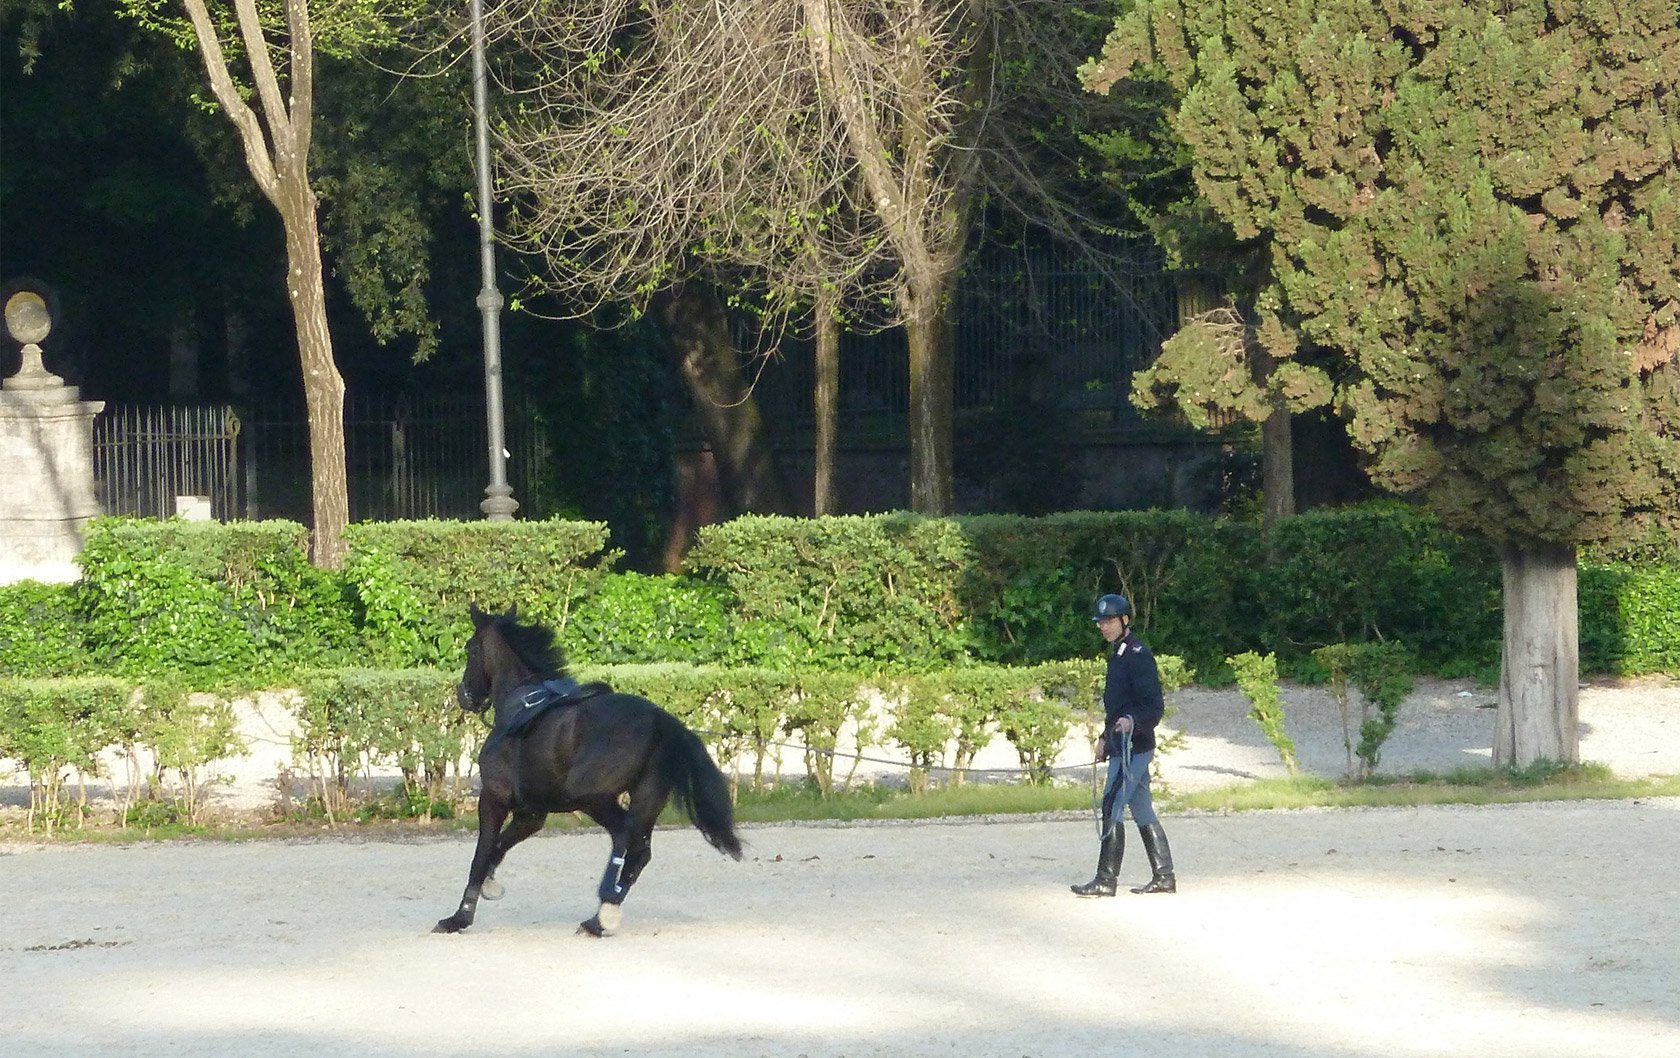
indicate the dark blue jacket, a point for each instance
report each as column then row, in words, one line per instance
column 1133, row 688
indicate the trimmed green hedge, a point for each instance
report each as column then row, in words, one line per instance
column 219, row 601
column 1031, row 582
column 413, row 580
column 41, row 631
column 843, row 590
column 1630, row 618
column 1018, row 590
column 238, row 606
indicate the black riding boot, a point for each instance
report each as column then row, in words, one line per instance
column 1108, row 865
column 1160, row 861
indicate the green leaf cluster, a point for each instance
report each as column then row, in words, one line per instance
column 1630, row 618
column 219, row 601
column 633, row 618
column 1257, row 679
column 413, row 580
column 40, row 630
column 1475, row 208
column 1382, row 674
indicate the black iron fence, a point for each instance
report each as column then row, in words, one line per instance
column 1034, row 327
column 410, row 457
column 145, row 457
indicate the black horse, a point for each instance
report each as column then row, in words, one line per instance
column 615, row 757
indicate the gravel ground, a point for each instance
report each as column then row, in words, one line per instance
column 1520, row 931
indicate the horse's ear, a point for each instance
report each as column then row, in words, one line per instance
column 476, row 614
column 513, row 611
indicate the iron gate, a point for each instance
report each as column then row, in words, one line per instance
column 405, row 458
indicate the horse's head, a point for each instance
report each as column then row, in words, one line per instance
column 473, row 692
column 505, row 653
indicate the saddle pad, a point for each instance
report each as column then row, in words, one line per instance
column 547, row 695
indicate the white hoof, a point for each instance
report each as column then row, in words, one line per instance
column 491, row 889
column 610, row 916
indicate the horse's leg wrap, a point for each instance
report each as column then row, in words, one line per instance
column 612, row 882
column 463, row 916
column 491, row 889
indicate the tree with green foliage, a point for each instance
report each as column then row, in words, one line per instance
column 276, row 137
column 261, row 67
column 1209, row 371
column 1477, row 207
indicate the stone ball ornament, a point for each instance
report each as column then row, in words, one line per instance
column 28, row 319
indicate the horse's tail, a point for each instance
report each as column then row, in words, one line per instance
column 697, row 784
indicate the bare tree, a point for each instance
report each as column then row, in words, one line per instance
column 829, row 153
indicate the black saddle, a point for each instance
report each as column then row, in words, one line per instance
column 540, row 698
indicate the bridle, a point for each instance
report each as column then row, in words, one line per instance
column 464, row 695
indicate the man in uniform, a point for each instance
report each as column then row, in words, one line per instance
column 1132, row 707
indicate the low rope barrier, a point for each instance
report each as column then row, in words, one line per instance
column 863, row 759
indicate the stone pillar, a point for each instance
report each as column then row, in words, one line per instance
column 46, row 459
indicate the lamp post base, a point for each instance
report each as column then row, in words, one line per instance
column 499, row 504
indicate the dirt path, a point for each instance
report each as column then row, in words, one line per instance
column 1512, row 931
column 1515, row 931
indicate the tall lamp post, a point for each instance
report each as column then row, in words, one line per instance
column 499, row 504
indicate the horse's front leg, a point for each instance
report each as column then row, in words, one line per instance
column 520, row 827
column 492, row 811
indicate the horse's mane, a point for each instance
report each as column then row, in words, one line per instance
column 534, row 643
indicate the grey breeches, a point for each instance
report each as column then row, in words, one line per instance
column 1128, row 787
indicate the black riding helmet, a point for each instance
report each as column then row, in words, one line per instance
column 1112, row 606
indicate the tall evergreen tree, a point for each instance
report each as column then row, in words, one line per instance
column 1477, row 205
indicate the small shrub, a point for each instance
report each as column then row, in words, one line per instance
column 823, row 703
column 1382, row 674
column 53, row 726
column 919, row 728
column 1258, row 681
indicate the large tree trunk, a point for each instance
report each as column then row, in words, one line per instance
column 1277, row 435
column 1277, row 466
column 932, row 399
column 825, row 401
column 323, row 386
column 698, row 331
column 1539, row 677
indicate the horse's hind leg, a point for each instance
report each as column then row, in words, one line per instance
column 611, row 890
column 632, row 849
